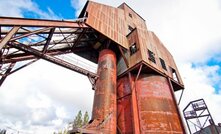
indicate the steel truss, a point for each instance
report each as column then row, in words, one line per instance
column 197, row 116
column 33, row 39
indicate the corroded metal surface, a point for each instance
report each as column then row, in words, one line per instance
column 10, row 21
column 124, row 106
column 104, row 107
column 155, row 106
column 108, row 20
column 157, row 110
column 125, row 27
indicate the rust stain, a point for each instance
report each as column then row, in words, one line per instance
column 104, row 107
column 156, row 106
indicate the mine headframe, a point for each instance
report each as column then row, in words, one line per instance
column 198, row 117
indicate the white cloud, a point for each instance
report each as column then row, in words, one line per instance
column 38, row 101
column 198, row 84
column 77, row 5
column 17, row 9
column 49, row 96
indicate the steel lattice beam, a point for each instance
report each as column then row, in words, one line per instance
column 53, row 59
column 52, row 38
column 4, row 76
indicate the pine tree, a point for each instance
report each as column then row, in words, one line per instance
column 78, row 120
column 86, row 118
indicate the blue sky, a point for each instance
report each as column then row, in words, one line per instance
column 62, row 8
column 191, row 33
column 213, row 62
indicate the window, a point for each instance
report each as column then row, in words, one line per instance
column 163, row 64
column 86, row 14
column 151, row 56
column 130, row 29
column 174, row 74
column 130, row 15
column 133, row 49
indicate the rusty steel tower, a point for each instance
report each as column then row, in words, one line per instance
column 136, row 76
column 198, row 118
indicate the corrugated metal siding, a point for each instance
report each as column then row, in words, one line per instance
column 109, row 21
column 114, row 22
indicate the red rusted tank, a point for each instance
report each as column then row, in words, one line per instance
column 157, row 113
column 104, row 107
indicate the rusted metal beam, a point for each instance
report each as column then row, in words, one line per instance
column 175, row 102
column 134, row 104
column 48, row 40
column 125, row 59
column 9, row 21
column 135, row 99
column 138, row 74
column 54, row 60
column 78, row 39
column 180, row 97
column 30, row 33
column 4, row 32
column 28, row 56
column 93, row 82
column 65, row 38
column 19, row 68
column 4, row 76
column 5, row 40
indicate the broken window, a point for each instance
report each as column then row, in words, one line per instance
column 163, row 64
column 133, row 49
column 174, row 74
column 151, row 56
column 130, row 15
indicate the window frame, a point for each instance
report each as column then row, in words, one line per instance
column 151, row 56
column 163, row 64
column 174, row 74
column 130, row 15
column 134, row 51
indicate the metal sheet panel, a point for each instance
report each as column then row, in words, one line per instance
column 118, row 24
column 157, row 109
column 109, row 21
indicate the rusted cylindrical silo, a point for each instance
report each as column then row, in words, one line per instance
column 104, row 107
column 156, row 107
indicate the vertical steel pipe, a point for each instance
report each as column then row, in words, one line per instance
column 104, row 107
